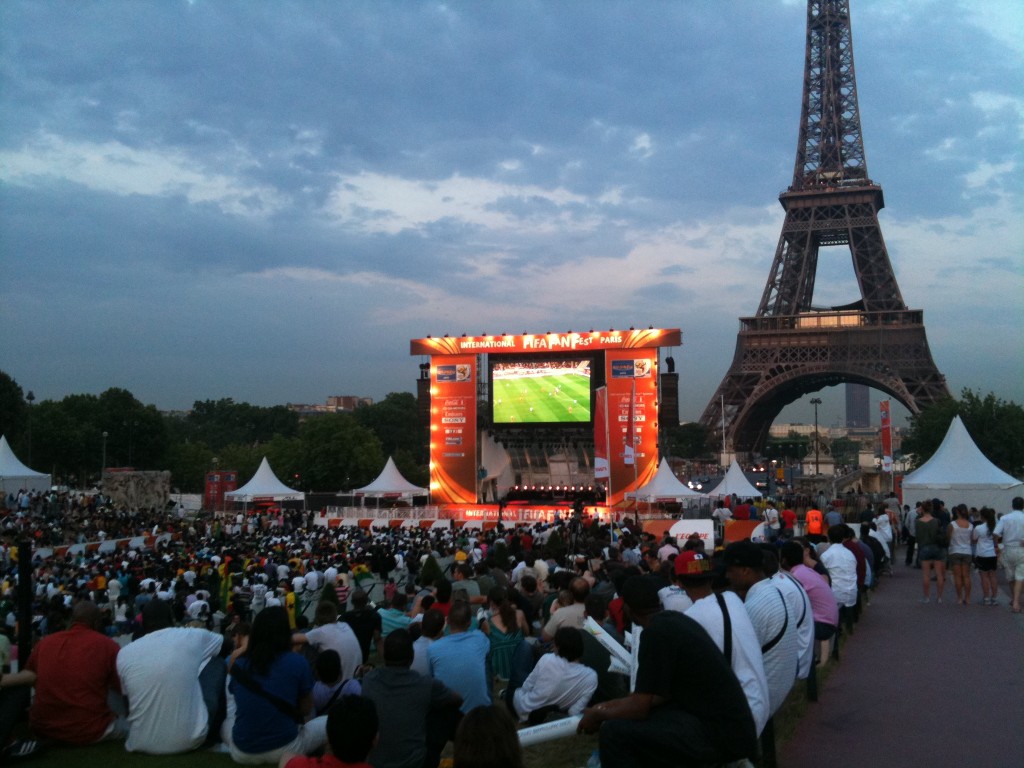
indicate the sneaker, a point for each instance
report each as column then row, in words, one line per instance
column 22, row 748
column 924, row 599
column 938, row 600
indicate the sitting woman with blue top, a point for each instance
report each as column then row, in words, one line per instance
column 273, row 692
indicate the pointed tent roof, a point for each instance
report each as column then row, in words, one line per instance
column 664, row 486
column 959, row 463
column 734, row 482
column 14, row 473
column 10, row 464
column 264, row 484
column 390, row 483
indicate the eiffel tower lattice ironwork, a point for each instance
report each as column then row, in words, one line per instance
column 790, row 348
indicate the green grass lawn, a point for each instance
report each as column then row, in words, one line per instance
column 562, row 398
column 561, row 753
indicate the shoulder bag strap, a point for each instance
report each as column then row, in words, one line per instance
column 785, row 624
column 330, row 701
column 726, row 627
column 248, row 682
column 803, row 593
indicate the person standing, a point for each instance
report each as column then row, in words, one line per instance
column 961, row 553
column 910, row 526
column 931, row 550
column 1009, row 538
column 985, row 556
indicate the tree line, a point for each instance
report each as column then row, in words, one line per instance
column 75, row 438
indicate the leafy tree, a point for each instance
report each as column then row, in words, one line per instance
column 689, row 441
column 220, row 423
column 335, row 452
column 845, row 451
column 395, row 421
column 13, row 410
column 188, row 464
column 997, row 427
column 793, row 447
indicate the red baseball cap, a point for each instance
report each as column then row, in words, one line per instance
column 692, row 563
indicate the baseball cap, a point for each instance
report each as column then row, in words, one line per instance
column 692, row 563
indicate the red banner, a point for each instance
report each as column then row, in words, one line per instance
column 453, row 430
column 601, row 433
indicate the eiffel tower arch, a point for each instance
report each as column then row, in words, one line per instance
column 791, row 348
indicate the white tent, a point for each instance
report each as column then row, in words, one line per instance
column 15, row 476
column 664, row 486
column 264, row 485
column 389, row 483
column 959, row 473
column 734, row 483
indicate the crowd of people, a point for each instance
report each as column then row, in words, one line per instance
column 280, row 642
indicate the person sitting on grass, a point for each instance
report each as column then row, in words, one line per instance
column 559, row 682
column 73, row 671
column 352, row 731
column 330, row 684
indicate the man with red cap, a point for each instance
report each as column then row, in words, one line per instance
column 725, row 619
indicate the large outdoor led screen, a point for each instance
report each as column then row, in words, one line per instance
column 551, row 391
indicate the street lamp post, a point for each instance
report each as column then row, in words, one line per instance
column 816, row 401
column 103, row 467
column 31, row 397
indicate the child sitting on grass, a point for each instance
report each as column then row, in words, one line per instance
column 329, row 686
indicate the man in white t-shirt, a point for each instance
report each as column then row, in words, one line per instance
column 1009, row 538
column 336, row 636
column 722, row 513
column 693, row 574
column 173, row 678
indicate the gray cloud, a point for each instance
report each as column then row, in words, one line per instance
column 266, row 201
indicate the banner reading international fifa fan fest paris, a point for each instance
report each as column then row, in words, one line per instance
column 631, row 359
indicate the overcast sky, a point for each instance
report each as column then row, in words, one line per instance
column 266, row 201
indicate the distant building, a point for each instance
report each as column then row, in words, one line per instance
column 858, row 406
column 334, row 404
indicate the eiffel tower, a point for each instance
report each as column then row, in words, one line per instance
column 791, row 348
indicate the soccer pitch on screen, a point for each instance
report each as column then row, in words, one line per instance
column 552, row 398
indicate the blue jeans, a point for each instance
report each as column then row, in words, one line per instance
column 211, row 682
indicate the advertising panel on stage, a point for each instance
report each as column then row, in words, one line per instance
column 633, row 418
column 453, row 475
